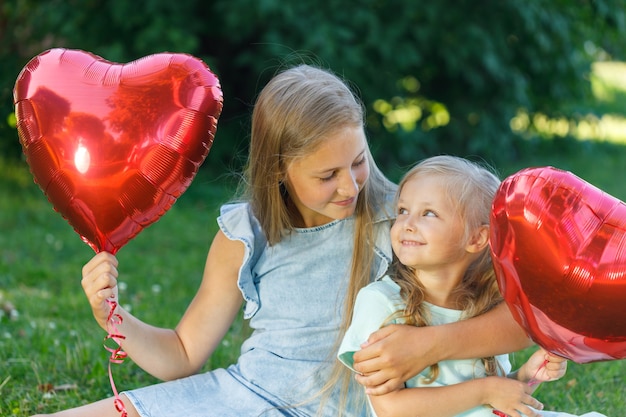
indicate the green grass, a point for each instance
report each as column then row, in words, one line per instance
column 49, row 339
column 53, row 340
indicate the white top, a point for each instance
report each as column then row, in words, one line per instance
column 375, row 304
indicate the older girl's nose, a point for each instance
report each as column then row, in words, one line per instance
column 348, row 185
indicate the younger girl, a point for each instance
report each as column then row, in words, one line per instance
column 443, row 273
column 312, row 229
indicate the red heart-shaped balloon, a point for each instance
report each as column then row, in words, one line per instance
column 112, row 145
column 559, row 251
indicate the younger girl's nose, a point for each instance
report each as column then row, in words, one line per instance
column 409, row 224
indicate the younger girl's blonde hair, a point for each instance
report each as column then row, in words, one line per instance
column 471, row 188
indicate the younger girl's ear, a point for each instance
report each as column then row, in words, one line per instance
column 479, row 240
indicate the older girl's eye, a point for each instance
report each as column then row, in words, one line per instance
column 402, row 210
column 328, row 178
column 429, row 213
column 359, row 162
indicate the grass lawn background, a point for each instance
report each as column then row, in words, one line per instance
column 51, row 352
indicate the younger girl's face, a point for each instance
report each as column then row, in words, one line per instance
column 325, row 184
column 428, row 233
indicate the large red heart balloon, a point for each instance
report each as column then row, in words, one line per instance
column 114, row 145
column 559, row 250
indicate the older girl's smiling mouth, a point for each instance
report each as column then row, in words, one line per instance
column 345, row 203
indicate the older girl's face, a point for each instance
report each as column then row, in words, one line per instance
column 325, row 184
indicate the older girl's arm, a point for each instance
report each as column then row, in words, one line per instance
column 396, row 353
column 174, row 353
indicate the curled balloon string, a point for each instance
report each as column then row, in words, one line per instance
column 531, row 383
column 117, row 354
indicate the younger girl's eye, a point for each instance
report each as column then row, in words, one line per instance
column 402, row 210
column 429, row 213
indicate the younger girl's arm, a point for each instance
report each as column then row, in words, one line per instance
column 504, row 394
column 397, row 353
column 173, row 353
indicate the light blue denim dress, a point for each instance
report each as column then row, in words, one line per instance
column 294, row 293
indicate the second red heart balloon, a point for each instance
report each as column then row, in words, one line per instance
column 113, row 146
column 559, row 250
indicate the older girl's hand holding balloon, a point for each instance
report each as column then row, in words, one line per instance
column 100, row 285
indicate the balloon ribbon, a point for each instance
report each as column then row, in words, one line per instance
column 117, row 354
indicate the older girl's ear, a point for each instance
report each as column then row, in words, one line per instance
column 479, row 240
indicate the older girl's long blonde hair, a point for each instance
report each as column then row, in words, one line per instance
column 471, row 188
column 294, row 113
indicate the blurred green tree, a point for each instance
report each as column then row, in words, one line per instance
column 445, row 76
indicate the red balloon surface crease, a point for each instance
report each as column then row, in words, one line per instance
column 559, row 250
column 113, row 146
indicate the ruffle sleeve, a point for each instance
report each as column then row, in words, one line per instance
column 238, row 223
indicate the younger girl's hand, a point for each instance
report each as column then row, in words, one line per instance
column 510, row 397
column 100, row 283
column 543, row 366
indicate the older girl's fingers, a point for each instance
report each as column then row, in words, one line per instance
column 104, row 267
column 105, row 281
column 100, row 280
column 97, row 260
